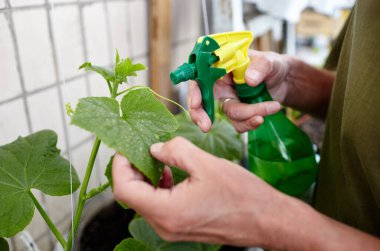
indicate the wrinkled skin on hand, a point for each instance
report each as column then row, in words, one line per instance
column 220, row 202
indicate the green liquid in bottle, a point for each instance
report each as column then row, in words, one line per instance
column 278, row 151
column 292, row 177
column 282, row 155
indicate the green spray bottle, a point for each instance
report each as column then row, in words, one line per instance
column 278, row 151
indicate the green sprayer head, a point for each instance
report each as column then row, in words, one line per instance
column 183, row 73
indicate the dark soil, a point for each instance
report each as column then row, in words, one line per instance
column 106, row 229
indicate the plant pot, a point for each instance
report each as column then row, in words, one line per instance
column 104, row 224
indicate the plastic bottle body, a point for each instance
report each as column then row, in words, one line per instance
column 280, row 153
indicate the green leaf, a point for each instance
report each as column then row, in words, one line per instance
column 210, row 247
column 104, row 72
column 179, row 175
column 143, row 232
column 117, row 59
column 222, row 140
column 219, row 114
column 126, row 68
column 30, row 162
column 4, row 244
column 183, row 246
column 144, row 119
column 131, row 245
column 108, row 171
column 69, row 109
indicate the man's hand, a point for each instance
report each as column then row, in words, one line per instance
column 288, row 80
column 220, row 202
column 268, row 66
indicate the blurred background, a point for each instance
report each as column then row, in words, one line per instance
column 42, row 43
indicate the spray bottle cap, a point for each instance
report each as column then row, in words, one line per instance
column 183, row 73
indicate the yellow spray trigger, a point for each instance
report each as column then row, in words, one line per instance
column 233, row 53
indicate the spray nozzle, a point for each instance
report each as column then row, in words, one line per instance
column 183, row 73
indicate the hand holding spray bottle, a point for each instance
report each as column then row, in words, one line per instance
column 278, row 151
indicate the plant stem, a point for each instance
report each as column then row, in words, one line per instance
column 48, row 221
column 109, row 87
column 122, row 92
column 82, row 194
column 97, row 190
column 114, row 90
column 83, row 190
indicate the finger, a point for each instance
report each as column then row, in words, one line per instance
column 167, row 178
column 194, row 97
column 201, row 119
column 222, row 90
column 259, row 68
column 248, row 125
column 238, row 111
column 197, row 113
column 179, row 152
column 128, row 189
column 133, row 174
column 226, row 80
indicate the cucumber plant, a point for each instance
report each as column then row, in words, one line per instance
column 128, row 121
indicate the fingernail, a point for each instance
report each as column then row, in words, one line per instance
column 156, row 148
column 273, row 107
column 253, row 75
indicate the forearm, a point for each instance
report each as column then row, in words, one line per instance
column 309, row 88
column 302, row 228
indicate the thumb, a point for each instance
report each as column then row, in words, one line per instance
column 179, row 152
column 258, row 69
column 129, row 186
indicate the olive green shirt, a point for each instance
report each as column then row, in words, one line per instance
column 348, row 187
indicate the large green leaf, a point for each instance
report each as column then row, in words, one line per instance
column 144, row 120
column 131, row 245
column 4, row 245
column 30, row 162
column 222, row 140
column 143, row 232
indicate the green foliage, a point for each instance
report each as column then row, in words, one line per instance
column 222, row 140
column 123, row 69
column 178, row 174
column 27, row 163
column 144, row 235
column 126, row 68
column 143, row 121
column 107, row 74
column 131, row 245
column 142, row 231
column 4, row 244
column 108, row 171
